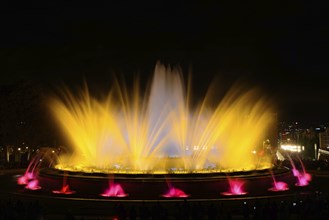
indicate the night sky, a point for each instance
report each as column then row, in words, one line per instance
column 280, row 47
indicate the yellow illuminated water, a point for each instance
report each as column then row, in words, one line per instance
column 158, row 131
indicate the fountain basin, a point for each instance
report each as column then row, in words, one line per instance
column 152, row 186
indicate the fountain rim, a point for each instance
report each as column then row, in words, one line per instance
column 56, row 173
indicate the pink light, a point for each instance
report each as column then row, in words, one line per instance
column 115, row 190
column 175, row 193
column 295, row 172
column 304, row 179
column 236, row 188
column 33, row 185
column 64, row 190
column 279, row 186
column 23, row 180
column 308, row 177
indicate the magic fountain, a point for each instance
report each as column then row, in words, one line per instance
column 158, row 136
column 159, row 132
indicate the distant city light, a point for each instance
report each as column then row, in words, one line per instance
column 292, row 148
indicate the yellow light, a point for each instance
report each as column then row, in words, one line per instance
column 135, row 131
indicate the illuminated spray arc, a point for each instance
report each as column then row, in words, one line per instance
column 159, row 131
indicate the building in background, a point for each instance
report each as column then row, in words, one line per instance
column 323, row 151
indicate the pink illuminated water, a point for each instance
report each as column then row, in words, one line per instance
column 303, row 179
column 236, row 188
column 295, row 172
column 23, row 180
column 29, row 173
column 114, row 190
column 64, row 190
column 279, row 186
column 33, row 185
column 175, row 193
column 65, row 187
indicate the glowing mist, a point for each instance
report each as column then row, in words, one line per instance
column 158, row 131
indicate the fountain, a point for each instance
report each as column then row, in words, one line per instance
column 236, row 187
column 29, row 178
column 114, row 189
column 24, row 179
column 65, row 190
column 145, row 138
column 33, row 185
column 175, row 193
column 278, row 185
column 30, row 173
column 303, row 178
column 126, row 134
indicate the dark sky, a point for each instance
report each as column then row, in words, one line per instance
column 282, row 47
